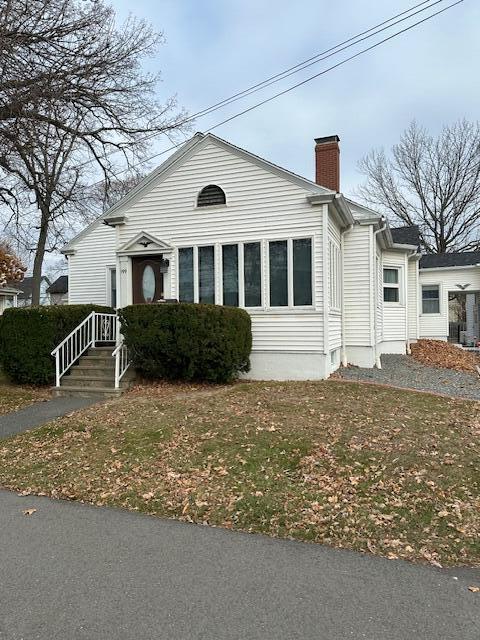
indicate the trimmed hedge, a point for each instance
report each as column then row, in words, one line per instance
column 188, row 341
column 29, row 335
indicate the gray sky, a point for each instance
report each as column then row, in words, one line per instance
column 215, row 48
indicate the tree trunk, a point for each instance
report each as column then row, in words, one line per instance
column 38, row 264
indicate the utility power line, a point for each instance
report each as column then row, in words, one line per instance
column 319, row 57
column 295, row 86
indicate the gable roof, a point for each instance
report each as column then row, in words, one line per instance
column 183, row 153
column 406, row 235
column 60, row 285
column 27, row 285
column 463, row 259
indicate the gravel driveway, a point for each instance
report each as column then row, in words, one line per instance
column 404, row 371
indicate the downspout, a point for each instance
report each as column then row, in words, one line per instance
column 342, row 319
column 383, row 222
column 410, row 255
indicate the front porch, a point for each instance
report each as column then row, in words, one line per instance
column 463, row 318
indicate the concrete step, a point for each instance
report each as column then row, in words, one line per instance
column 98, row 358
column 92, row 381
column 94, row 369
column 97, row 392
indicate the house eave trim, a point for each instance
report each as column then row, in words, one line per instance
column 339, row 204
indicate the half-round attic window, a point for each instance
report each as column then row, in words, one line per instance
column 211, row 195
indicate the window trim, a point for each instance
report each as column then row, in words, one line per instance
column 432, row 284
column 264, row 272
column 392, row 285
column 336, row 260
column 109, row 269
column 290, row 306
column 210, row 206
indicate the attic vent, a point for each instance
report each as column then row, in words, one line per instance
column 211, row 195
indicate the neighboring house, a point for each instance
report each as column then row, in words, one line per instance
column 450, row 285
column 8, row 297
column 324, row 279
column 58, row 291
column 25, row 297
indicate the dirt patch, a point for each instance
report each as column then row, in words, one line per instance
column 436, row 353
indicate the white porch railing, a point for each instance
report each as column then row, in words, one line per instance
column 122, row 361
column 96, row 328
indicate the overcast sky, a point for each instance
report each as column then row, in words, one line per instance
column 215, row 48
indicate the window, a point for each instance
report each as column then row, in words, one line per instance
column 206, row 275
column 430, row 298
column 112, row 284
column 391, row 284
column 334, row 282
column 290, row 270
column 230, row 274
column 185, row 280
column 278, row 273
column 252, row 274
column 242, row 274
column 210, row 196
column 302, row 272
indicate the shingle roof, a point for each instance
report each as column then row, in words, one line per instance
column 406, row 235
column 26, row 286
column 60, row 285
column 464, row 259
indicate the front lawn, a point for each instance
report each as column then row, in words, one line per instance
column 14, row 397
column 392, row 472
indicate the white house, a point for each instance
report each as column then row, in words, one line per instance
column 325, row 280
column 8, row 297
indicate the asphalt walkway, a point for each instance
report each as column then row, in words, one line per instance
column 75, row 572
column 40, row 413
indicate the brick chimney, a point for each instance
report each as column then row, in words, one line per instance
column 327, row 162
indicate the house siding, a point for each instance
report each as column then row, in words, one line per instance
column 87, row 267
column 395, row 314
column 357, row 286
column 433, row 325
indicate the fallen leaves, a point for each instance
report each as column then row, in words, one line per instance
column 436, row 353
column 29, row 512
column 390, row 472
column 474, row 589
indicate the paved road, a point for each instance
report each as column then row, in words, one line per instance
column 41, row 412
column 73, row 572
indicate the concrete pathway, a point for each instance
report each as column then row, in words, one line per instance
column 40, row 413
column 76, row 572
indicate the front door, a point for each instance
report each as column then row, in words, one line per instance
column 147, row 279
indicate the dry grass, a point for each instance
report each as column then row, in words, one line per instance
column 436, row 353
column 391, row 472
column 13, row 398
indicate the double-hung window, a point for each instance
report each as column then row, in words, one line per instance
column 430, row 298
column 391, row 284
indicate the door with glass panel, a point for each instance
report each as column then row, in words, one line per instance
column 147, row 279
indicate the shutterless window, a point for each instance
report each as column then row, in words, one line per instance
column 252, row 274
column 206, row 275
column 278, row 273
column 113, row 288
column 391, row 285
column 302, row 272
column 430, row 298
column 185, row 277
column 230, row 274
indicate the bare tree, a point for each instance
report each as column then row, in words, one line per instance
column 72, row 93
column 431, row 182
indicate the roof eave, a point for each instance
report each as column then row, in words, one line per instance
column 337, row 200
